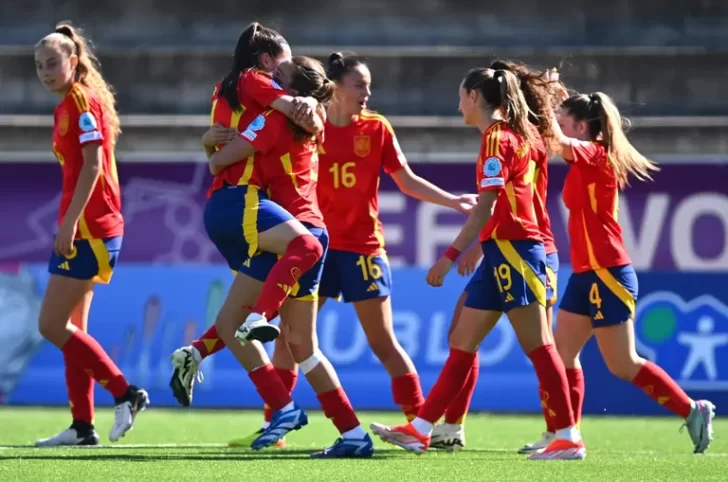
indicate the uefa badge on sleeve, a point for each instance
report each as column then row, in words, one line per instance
column 87, row 122
column 492, row 167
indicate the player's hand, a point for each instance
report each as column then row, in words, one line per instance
column 436, row 275
column 64, row 239
column 469, row 261
column 304, row 110
column 217, row 134
column 465, row 203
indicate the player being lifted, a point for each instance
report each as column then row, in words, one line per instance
column 91, row 227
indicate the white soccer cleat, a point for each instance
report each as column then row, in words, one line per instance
column 700, row 425
column 256, row 327
column 186, row 368
column 448, row 436
column 69, row 437
column 539, row 445
column 126, row 411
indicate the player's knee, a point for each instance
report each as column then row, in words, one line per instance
column 624, row 367
column 51, row 328
column 384, row 348
column 309, row 247
column 311, row 361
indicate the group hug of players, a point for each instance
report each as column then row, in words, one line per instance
column 293, row 209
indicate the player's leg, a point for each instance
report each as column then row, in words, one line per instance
column 80, row 388
column 478, row 317
column 72, row 278
column 612, row 298
column 299, row 251
column 252, row 355
column 451, row 434
column 519, row 268
column 367, row 283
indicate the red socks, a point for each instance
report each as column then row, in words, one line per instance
column 458, row 408
column 302, row 253
column 448, row 385
column 80, row 393
column 661, row 388
column 407, row 393
column 209, row 343
column 336, row 406
column 289, row 378
column 270, row 387
column 83, row 353
column 575, row 376
column 554, row 386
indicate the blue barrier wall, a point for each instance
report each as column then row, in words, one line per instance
column 148, row 311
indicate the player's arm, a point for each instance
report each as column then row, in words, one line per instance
column 395, row 164
column 259, row 136
column 91, row 138
column 477, row 220
column 301, row 110
column 571, row 149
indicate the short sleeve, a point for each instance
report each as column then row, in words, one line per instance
column 261, row 87
column 393, row 158
column 86, row 116
column 264, row 131
column 586, row 153
column 493, row 166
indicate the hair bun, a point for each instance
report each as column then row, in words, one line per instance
column 336, row 57
column 65, row 29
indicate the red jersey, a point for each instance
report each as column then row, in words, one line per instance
column 591, row 193
column 256, row 90
column 288, row 167
column 352, row 158
column 79, row 120
column 504, row 165
column 540, row 157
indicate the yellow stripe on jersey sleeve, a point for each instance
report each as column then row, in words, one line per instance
column 373, row 116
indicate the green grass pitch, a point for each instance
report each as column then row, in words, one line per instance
column 190, row 445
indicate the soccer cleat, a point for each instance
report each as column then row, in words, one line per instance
column 561, row 449
column 126, row 410
column 246, row 441
column 700, row 425
column 539, row 445
column 281, row 423
column 347, row 448
column 186, row 370
column 404, row 436
column 448, row 436
column 256, row 327
column 70, row 436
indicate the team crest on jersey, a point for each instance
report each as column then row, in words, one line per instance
column 362, row 145
column 492, row 167
column 63, row 123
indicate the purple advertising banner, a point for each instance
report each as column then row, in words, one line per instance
column 678, row 222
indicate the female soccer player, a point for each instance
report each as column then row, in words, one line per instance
column 511, row 279
column 88, row 241
column 536, row 87
column 288, row 165
column 242, row 95
column 601, row 294
column 358, row 144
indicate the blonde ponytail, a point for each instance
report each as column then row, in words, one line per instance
column 88, row 73
column 514, row 106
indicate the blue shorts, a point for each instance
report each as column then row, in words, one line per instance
column 307, row 288
column 552, row 281
column 92, row 259
column 606, row 295
column 512, row 274
column 357, row 277
column 233, row 218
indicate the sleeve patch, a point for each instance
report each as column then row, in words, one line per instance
column 87, row 122
column 492, row 182
column 90, row 136
column 492, row 167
